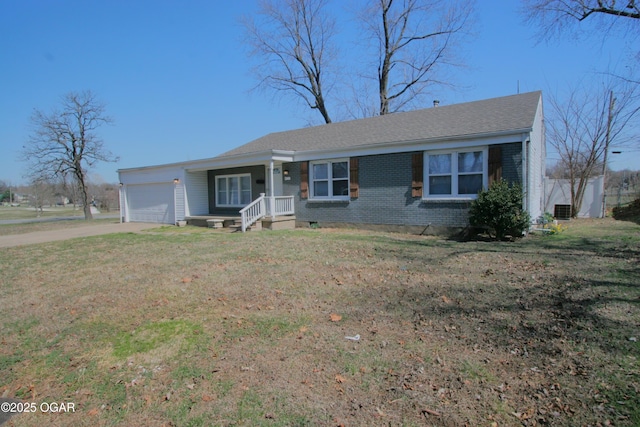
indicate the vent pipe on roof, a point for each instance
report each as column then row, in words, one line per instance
column 435, row 103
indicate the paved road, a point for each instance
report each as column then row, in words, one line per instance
column 70, row 233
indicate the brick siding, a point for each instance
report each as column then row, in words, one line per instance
column 385, row 195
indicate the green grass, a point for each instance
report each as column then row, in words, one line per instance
column 23, row 212
column 152, row 336
column 475, row 371
column 202, row 328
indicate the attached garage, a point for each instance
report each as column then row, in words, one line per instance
column 151, row 203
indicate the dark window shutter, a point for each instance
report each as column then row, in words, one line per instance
column 304, row 180
column 495, row 164
column 354, row 187
column 417, row 172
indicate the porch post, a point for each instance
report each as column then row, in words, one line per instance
column 272, row 194
column 176, row 181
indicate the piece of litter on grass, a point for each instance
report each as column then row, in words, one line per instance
column 634, row 339
column 354, row 338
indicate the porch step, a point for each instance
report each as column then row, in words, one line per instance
column 237, row 226
column 234, row 224
column 215, row 223
column 211, row 221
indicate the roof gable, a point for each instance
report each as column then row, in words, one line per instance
column 497, row 115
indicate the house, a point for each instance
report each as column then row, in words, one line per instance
column 413, row 171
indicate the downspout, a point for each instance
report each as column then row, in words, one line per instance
column 121, row 202
column 185, row 197
column 176, row 182
column 525, row 172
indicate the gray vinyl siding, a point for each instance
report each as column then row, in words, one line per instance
column 179, row 202
column 537, row 170
column 197, row 194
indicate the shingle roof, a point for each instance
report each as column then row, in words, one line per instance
column 496, row 115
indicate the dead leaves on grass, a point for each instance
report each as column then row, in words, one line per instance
column 340, row 379
column 189, row 279
column 334, row 317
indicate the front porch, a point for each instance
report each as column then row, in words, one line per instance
column 225, row 197
column 271, row 213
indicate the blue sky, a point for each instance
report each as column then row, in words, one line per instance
column 176, row 78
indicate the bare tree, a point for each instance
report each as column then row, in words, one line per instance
column 41, row 193
column 415, row 41
column 566, row 16
column 294, row 39
column 558, row 11
column 412, row 43
column 64, row 142
column 582, row 128
column 106, row 195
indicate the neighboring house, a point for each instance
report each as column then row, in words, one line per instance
column 415, row 171
column 558, row 198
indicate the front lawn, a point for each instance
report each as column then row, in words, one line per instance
column 207, row 328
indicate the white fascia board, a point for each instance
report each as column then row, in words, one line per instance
column 165, row 165
column 463, row 141
column 239, row 160
column 150, row 175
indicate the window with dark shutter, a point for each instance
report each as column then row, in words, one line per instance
column 329, row 179
column 417, row 174
column 455, row 174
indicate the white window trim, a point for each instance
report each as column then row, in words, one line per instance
column 454, row 174
column 330, row 179
column 239, row 176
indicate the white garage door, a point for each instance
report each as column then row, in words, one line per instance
column 151, row 203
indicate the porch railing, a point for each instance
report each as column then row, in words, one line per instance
column 265, row 206
column 282, row 205
column 252, row 212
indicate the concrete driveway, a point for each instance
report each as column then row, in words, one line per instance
column 71, row 233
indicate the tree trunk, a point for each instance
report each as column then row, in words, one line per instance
column 322, row 108
column 385, row 67
column 84, row 193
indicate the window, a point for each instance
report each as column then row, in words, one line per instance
column 233, row 190
column 455, row 174
column 330, row 179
